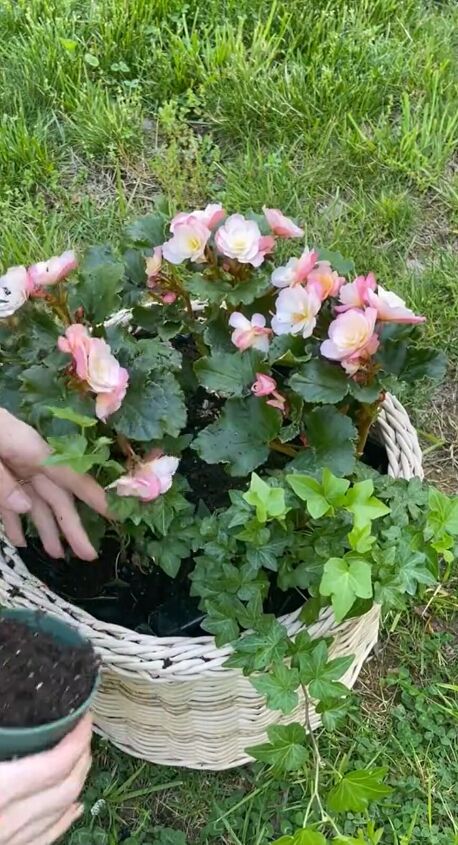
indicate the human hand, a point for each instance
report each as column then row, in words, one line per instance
column 39, row 794
column 47, row 493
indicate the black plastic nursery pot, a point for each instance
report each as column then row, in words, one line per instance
column 19, row 671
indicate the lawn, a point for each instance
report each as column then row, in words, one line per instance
column 344, row 114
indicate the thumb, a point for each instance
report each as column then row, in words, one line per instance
column 12, row 497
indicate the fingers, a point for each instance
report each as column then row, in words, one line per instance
column 12, row 497
column 48, row 830
column 66, row 515
column 13, row 527
column 20, row 778
column 84, row 487
column 48, row 805
column 43, row 519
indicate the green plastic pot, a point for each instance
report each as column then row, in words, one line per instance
column 19, row 742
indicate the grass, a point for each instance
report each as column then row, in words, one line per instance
column 343, row 113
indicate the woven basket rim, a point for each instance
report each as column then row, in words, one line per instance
column 167, row 656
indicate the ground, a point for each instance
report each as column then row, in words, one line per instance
column 345, row 115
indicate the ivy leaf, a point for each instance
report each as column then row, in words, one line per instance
column 331, row 436
column 321, row 497
column 320, row 381
column 240, row 437
column 279, row 687
column 286, row 750
column 148, row 231
column 344, row 266
column 168, row 553
column 257, row 651
column 363, row 505
column 321, row 674
column 361, row 539
column 333, row 712
column 101, row 276
column 221, row 620
column 356, row 789
column 345, row 579
column 229, row 374
column 268, row 501
column 151, row 410
column 442, row 514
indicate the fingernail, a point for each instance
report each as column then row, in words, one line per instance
column 78, row 811
column 17, row 501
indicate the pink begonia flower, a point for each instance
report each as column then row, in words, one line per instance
column 296, row 311
column 241, row 239
column 169, row 298
column 390, row 307
column 295, row 271
column 250, row 333
column 153, row 266
column 267, row 386
column 96, row 365
column 148, row 480
column 210, row 216
column 188, row 242
column 14, row 290
column 264, row 385
column 278, row 401
column 77, row 343
column 355, row 294
column 352, row 339
column 281, row 225
column 324, row 280
column 53, row 270
column 111, row 401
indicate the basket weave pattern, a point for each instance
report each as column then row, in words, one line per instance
column 170, row 700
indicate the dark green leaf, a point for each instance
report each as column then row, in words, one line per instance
column 207, row 290
column 333, row 712
column 221, row 621
column 151, row 410
column 331, row 436
column 244, row 293
column 356, row 789
column 286, row 750
column 279, row 687
column 288, row 350
column 229, row 374
column 148, row 231
column 101, row 276
column 156, row 354
column 240, row 437
column 257, row 651
column 321, row 674
column 320, row 381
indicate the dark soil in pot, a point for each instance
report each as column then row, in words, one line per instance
column 41, row 679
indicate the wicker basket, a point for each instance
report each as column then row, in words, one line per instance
column 170, row 700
